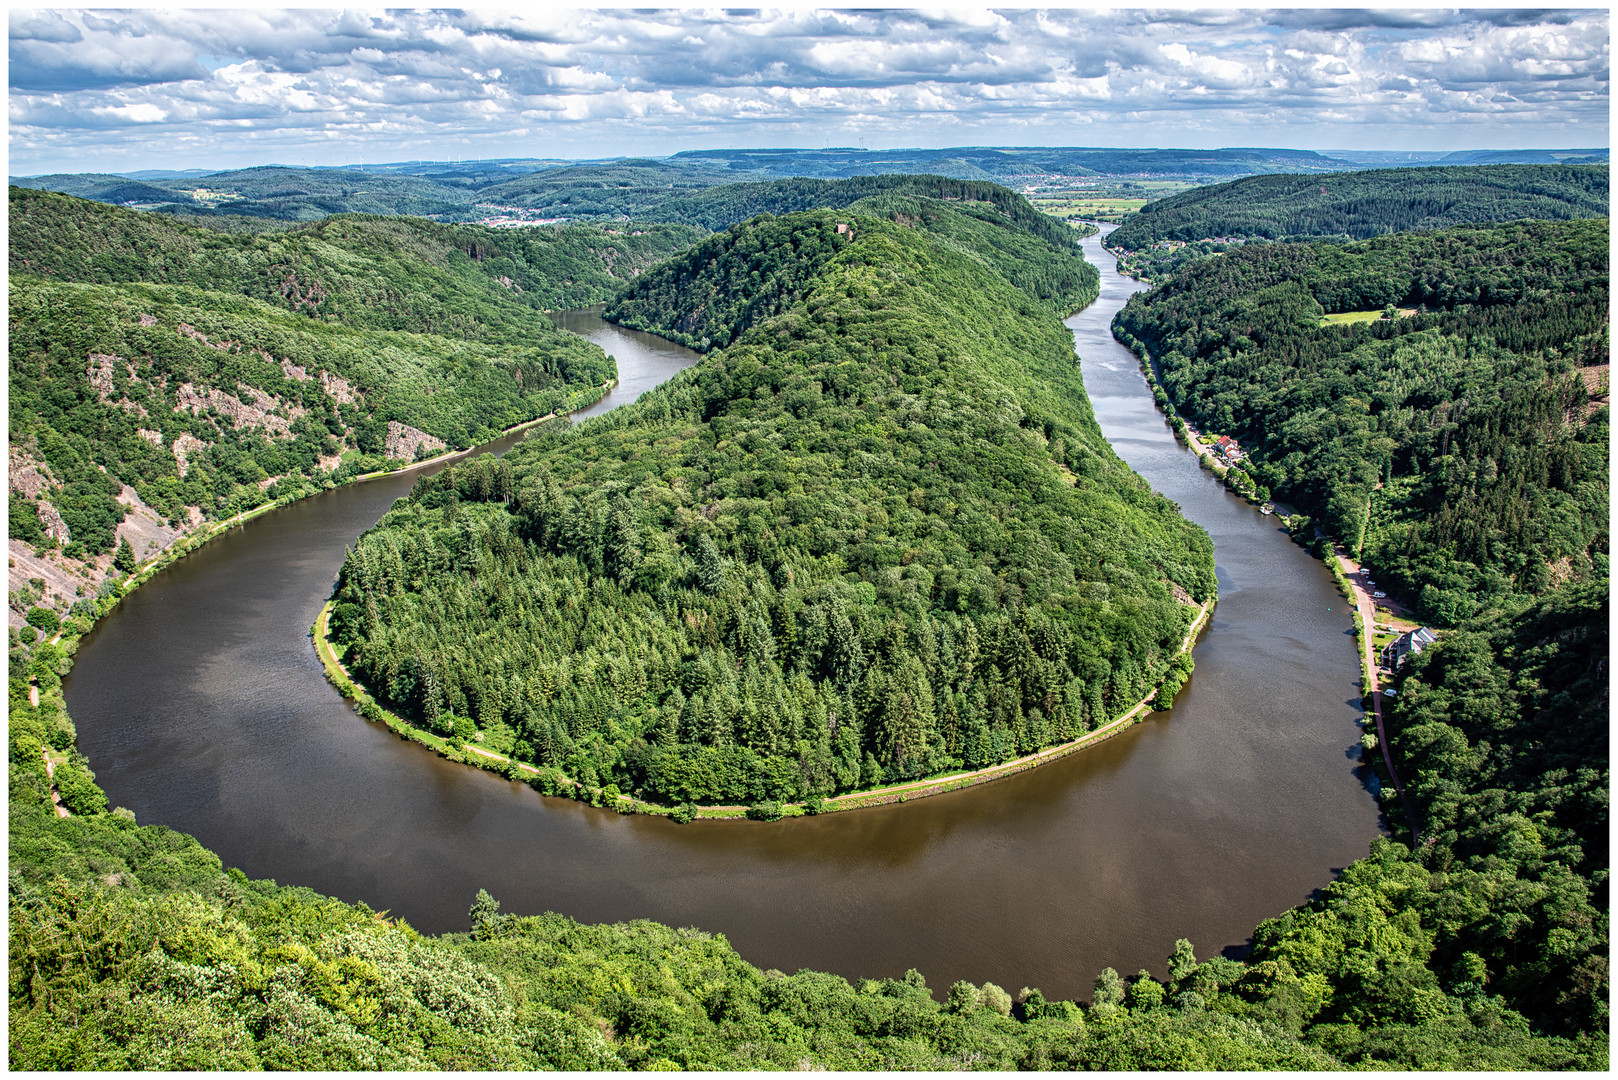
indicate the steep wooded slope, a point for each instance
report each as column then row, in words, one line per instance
column 1463, row 448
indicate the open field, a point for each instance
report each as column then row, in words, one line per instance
column 1343, row 317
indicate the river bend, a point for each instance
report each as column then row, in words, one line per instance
column 201, row 706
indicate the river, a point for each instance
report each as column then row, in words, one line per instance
column 201, row 706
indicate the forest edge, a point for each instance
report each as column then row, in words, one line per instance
column 366, row 705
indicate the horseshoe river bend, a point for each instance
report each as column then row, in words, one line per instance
column 202, row 706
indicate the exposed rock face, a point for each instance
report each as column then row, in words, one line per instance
column 153, row 437
column 258, row 414
column 25, row 474
column 403, row 440
column 184, row 446
column 55, row 527
column 338, row 388
column 62, row 583
column 100, row 372
column 143, row 527
column 294, row 371
column 31, row 477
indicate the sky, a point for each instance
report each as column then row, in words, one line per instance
column 104, row 90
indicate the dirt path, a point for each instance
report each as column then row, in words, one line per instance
column 50, row 773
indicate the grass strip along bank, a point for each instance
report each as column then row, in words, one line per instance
column 550, row 781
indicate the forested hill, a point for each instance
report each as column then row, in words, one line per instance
column 382, row 273
column 1462, row 448
column 707, row 299
column 877, row 536
column 721, row 207
column 163, row 373
column 1360, row 205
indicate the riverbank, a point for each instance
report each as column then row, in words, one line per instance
column 551, row 781
column 1364, row 606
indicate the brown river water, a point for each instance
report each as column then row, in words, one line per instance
column 201, row 706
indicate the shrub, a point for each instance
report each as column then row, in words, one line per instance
column 769, row 810
column 44, row 620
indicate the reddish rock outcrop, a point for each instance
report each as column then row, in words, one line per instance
column 403, row 441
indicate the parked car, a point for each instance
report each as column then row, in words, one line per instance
column 1380, row 595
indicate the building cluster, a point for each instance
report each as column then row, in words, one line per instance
column 1394, row 652
column 1229, row 449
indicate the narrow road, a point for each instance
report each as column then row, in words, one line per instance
column 1367, row 610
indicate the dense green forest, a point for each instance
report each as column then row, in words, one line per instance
column 1360, row 205
column 876, row 535
column 220, row 369
column 1503, row 734
column 706, row 300
column 1462, row 450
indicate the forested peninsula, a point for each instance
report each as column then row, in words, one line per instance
column 875, row 535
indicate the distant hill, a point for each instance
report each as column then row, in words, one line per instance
column 626, row 187
column 1002, row 162
column 1524, row 157
column 719, row 208
column 271, row 191
column 1359, row 205
column 511, row 190
column 1402, row 158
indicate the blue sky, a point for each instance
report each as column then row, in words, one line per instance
column 114, row 90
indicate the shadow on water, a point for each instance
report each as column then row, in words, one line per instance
column 202, row 707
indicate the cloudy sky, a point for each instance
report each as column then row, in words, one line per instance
column 106, row 90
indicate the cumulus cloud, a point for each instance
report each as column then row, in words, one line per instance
column 602, row 81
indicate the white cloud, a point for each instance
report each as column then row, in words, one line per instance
column 616, row 80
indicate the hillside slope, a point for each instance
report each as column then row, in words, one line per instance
column 164, row 374
column 1461, row 448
